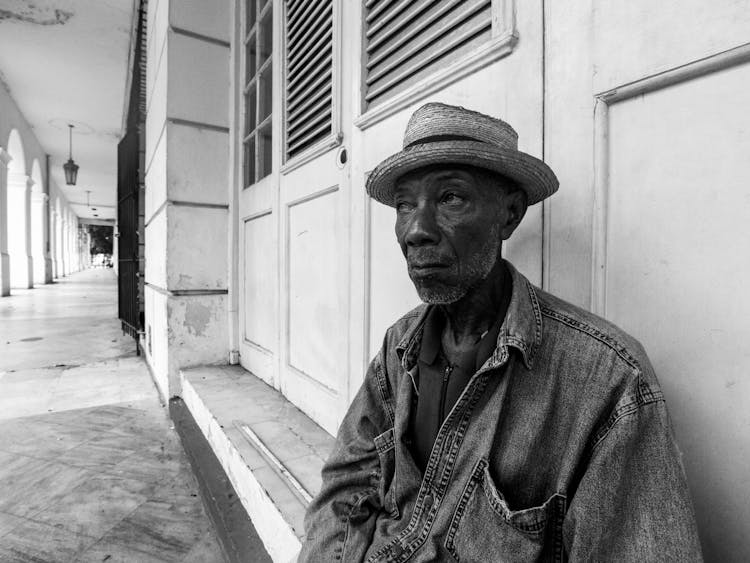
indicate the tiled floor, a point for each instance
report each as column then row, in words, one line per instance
column 90, row 468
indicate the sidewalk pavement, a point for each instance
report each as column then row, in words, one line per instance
column 90, row 466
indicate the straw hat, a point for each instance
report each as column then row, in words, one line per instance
column 443, row 134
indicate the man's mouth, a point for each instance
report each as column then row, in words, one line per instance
column 426, row 268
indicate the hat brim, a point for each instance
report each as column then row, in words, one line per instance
column 531, row 174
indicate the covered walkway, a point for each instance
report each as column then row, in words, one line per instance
column 90, row 466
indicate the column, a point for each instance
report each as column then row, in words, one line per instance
column 65, row 270
column 187, row 196
column 40, row 255
column 4, row 257
column 52, row 241
column 19, row 225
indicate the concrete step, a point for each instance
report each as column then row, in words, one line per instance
column 271, row 452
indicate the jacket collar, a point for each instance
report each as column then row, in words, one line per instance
column 521, row 328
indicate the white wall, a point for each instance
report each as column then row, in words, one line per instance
column 646, row 126
column 186, row 185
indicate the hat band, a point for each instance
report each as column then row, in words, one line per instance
column 439, row 138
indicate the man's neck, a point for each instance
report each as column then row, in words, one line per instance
column 473, row 315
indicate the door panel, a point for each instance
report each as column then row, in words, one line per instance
column 647, row 127
column 315, row 288
column 260, row 282
column 677, row 267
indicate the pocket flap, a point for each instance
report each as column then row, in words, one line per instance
column 530, row 520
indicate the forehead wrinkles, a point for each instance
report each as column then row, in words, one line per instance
column 434, row 178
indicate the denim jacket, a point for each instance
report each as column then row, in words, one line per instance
column 560, row 447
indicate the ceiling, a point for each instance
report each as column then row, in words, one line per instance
column 66, row 61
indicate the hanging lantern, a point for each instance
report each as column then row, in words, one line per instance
column 70, row 167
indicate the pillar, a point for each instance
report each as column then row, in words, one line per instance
column 187, row 196
column 39, row 237
column 4, row 257
column 52, row 244
column 19, row 241
column 64, row 245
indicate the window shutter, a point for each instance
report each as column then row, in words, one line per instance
column 407, row 40
column 309, row 73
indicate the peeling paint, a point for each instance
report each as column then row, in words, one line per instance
column 30, row 13
column 197, row 317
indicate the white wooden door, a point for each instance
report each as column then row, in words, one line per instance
column 294, row 245
column 648, row 103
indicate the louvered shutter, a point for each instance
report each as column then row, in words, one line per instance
column 407, row 40
column 309, row 73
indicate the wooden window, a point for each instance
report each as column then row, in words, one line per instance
column 258, row 90
column 407, row 40
column 309, row 74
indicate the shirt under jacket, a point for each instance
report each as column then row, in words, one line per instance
column 559, row 448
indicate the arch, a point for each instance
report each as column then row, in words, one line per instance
column 15, row 150
column 19, row 203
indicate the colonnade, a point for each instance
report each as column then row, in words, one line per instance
column 39, row 240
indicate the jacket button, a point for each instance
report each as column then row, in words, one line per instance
column 428, row 498
column 397, row 550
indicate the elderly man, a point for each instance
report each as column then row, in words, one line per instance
column 497, row 422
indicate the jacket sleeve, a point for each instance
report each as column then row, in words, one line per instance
column 633, row 503
column 340, row 521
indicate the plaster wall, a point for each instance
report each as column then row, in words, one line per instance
column 186, row 185
column 646, row 127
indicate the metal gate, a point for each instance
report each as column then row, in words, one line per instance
column 128, row 259
column 130, row 255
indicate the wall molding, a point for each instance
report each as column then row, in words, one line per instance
column 182, row 203
column 185, row 292
column 602, row 103
column 199, row 36
column 197, row 124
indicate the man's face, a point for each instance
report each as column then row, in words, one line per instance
column 449, row 226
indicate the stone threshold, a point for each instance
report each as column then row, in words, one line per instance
column 271, row 451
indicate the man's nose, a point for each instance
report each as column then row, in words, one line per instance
column 422, row 228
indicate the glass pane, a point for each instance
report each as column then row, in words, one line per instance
column 250, row 14
column 250, row 108
column 250, row 57
column 249, row 161
column 265, row 156
column 265, row 91
column 266, row 37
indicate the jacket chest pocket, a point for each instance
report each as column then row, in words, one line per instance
column 386, row 446
column 484, row 528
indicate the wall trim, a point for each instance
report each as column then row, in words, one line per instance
column 158, row 210
column 197, row 124
column 602, row 102
column 184, row 203
column 185, row 292
column 199, row 36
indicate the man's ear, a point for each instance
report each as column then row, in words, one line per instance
column 514, row 206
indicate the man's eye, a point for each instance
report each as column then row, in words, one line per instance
column 452, row 199
column 403, row 206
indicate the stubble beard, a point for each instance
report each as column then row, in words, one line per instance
column 479, row 266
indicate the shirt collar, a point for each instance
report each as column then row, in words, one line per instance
column 521, row 329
